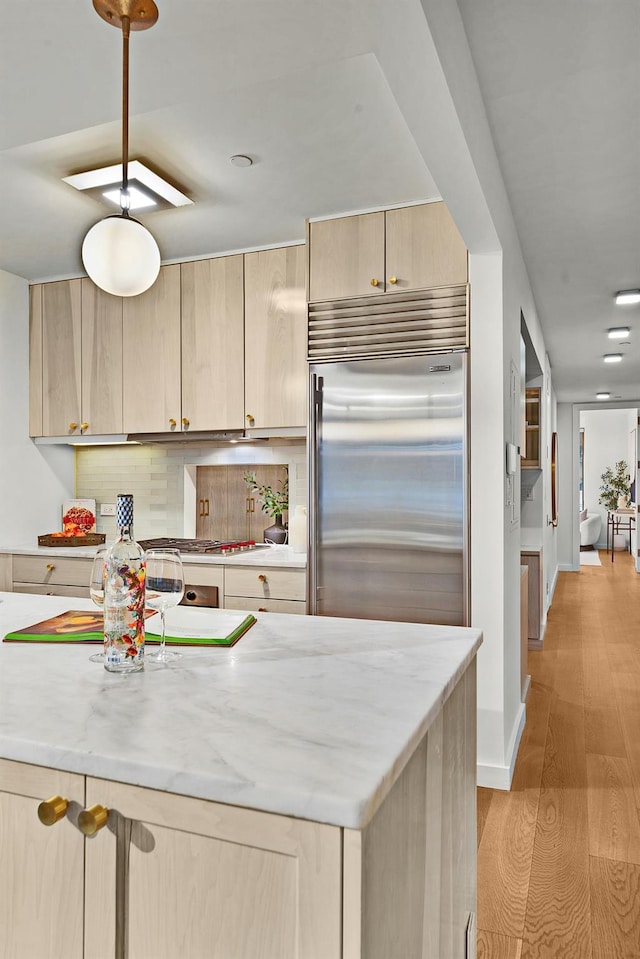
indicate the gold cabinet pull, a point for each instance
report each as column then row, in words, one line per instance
column 393, row 280
column 200, row 508
column 262, row 609
column 262, row 578
column 51, row 810
column 249, row 418
column 172, row 423
column 84, row 426
column 92, row 819
column 73, row 426
column 206, row 507
column 50, row 567
column 185, row 421
column 375, row 282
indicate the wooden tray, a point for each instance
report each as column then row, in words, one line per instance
column 91, row 539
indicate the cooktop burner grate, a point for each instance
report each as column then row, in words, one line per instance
column 200, row 545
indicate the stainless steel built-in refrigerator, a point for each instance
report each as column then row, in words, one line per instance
column 389, row 489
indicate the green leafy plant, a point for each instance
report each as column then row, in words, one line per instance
column 274, row 502
column 615, row 482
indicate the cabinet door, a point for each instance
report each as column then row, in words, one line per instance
column 345, row 256
column 213, row 343
column 275, row 338
column 424, row 248
column 174, row 876
column 41, row 867
column 241, row 504
column 211, row 495
column 151, row 356
column 101, row 360
column 61, row 357
column 35, row 360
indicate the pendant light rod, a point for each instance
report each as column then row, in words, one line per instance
column 126, row 31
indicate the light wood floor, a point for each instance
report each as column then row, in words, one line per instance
column 559, row 855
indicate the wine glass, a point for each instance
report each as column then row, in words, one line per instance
column 96, row 589
column 164, row 588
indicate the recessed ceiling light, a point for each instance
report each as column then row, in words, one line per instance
column 603, row 396
column 619, row 332
column 626, row 297
column 241, row 160
column 612, row 357
column 150, row 184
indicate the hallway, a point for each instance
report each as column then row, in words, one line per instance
column 559, row 855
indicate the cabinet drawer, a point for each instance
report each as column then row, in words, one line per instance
column 40, row 589
column 57, row 570
column 266, row 605
column 204, row 575
column 265, row 583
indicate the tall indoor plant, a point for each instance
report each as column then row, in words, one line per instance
column 274, row 504
column 616, row 486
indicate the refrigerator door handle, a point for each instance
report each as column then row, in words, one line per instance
column 315, row 403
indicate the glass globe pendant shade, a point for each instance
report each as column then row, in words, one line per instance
column 121, row 256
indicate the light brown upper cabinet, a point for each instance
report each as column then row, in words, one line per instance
column 275, row 338
column 151, row 356
column 412, row 248
column 75, row 359
column 213, row 344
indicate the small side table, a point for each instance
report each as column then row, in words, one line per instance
column 620, row 521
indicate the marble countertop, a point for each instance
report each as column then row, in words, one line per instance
column 307, row 716
column 272, row 556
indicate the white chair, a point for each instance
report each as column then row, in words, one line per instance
column 590, row 528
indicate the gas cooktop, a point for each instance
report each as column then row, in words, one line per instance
column 201, row 545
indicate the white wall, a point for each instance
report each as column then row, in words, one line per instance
column 33, row 480
column 606, row 442
column 440, row 98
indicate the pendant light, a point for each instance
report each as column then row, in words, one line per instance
column 119, row 253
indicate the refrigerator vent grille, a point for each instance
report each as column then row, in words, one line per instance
column 390, row 324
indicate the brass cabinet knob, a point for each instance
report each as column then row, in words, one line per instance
column 51, row 810
column 185, row 421
column 393, row 280
column 172, row 423
column 92, row 819
column 262, row 578
column 73, row 426
column 375, row 282
column 50, row 567
column 262, row 609
column 84, row 426
column 249, row 418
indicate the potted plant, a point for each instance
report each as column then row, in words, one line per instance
column 274, row 503
column 616, row 486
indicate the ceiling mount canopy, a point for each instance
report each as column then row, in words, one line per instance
column 119, row 253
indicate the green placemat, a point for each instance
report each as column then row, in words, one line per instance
column 82, row 626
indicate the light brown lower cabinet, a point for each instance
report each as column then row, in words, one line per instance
column 41, row 868
column 171, row 875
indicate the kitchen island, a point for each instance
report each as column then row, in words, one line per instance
column 308, row 793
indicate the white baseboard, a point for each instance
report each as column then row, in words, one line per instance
column 552, row 587
column 500, row 777
column 568, row 568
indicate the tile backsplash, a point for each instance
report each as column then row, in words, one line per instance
column 155, row 474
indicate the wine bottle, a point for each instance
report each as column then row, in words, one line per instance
column 124, row 596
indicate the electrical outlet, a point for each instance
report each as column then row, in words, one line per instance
column 528, row 493
column 107, row 509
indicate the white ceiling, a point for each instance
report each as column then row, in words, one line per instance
column 561, row 84
column 298, row 85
